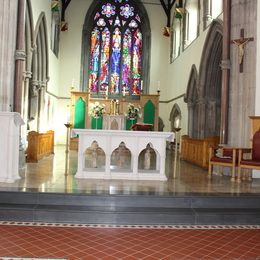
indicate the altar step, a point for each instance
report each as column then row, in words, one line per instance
column 130, row 209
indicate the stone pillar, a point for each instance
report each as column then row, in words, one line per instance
column 242, row 85
column 225, row 65
column 34, row 105
column 25, row 104
column 207, row 18
column 8, row 21
column 19, row 57
column 201, row 119
column 190, row 119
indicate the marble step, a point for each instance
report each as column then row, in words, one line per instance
column 217, row 209
column 128, row 215
column 185, row 200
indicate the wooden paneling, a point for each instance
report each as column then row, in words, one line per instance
column 39, row 145
column 197, row 150
column 123, row 104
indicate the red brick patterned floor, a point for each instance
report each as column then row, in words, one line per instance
column 129, row 243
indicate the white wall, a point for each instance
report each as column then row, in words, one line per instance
column 178, row 77
column 53, row 86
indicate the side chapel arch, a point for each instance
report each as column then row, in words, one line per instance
column 40, row 75
column 191, row 98
column 175, row 112
column 205, row 102
column 146, row 43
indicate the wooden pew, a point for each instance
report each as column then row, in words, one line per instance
column 197, row 150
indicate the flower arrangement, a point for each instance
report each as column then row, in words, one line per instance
column 96, row 110
column 133, row 111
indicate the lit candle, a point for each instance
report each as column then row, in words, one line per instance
column 142, row 84
column 68, row 113
column 177, row 122
column 107, row 91
column 158, row 85
column 89, row 85
column 123, row 91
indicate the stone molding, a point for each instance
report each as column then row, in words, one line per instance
column 20, row 55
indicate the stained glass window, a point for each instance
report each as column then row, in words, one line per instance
column 115, row 64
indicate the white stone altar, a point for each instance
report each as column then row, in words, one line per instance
column 135, row 141
column 10, row 123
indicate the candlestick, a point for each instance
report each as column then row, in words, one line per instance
column 142, row 85
column 158, row 85
column 123, row 91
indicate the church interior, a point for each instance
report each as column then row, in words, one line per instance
column 130, row 112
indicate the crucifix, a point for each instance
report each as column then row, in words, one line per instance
column 240, row 43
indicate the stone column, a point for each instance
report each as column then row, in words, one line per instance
column 8, row 21
column 41, row 119
column 225, row 65
column 207, row 18
column 25, row 104
column 190, row 119
column 201, row 118
column 19, row 57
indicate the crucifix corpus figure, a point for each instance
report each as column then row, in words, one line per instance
column 240, row 43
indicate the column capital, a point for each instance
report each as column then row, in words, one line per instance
column 225, row 64
column 27, row 74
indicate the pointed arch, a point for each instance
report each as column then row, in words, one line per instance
column 192, row 85
column 29, row 35
column 209, row 88
column 192, row 99
column 41, row 44
column 175, row 112
column 146, row 43
column 40, row 75
column 210, row 59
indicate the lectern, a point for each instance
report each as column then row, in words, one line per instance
column 10, row 123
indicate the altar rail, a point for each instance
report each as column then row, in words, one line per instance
column 39, row 145
column 197, row 150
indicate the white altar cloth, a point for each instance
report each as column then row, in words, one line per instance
column 135, row 141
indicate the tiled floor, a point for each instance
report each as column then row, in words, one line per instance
column 49, row 176
column 86, row 243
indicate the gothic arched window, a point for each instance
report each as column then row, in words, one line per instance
column 115, row 53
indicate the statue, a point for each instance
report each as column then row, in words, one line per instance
column 240, row 43
column 147, row 158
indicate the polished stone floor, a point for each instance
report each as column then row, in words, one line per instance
column 48, row 175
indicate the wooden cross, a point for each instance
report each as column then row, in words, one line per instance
column 240, row 43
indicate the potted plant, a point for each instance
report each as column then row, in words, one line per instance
column 96, row 112
column 133, row 112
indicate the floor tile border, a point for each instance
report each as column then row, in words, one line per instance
column 75, row 225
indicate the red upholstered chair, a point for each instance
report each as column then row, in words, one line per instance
column 225, row 157
column 252, row 161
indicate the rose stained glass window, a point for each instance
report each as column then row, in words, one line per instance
column 115, row 64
